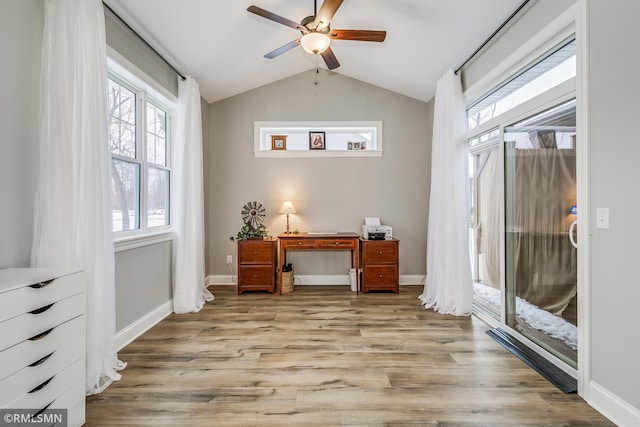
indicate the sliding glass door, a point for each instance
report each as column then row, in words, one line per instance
column 540, row 200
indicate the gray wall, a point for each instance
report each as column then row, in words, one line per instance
column 615, row 287
column 328, row 193
column 21, row 25
column 141, row 281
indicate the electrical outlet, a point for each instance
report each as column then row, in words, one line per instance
column 229, row 259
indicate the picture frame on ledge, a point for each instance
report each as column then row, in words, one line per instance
column 317, row 140
column 278, row 142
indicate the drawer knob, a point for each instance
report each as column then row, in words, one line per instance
column 255, row 276
column 380, row 252
column 380, row 276
column 255, row 252
column 337, row 243
column 299, row 243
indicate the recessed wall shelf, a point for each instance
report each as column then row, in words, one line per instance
column 341, row 139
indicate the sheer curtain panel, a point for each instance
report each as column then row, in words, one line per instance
column 72, row 226
column 189, row 290
column 448, row 287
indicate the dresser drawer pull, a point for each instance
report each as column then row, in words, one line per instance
column 41, row 284
column 41, row 309
column 380, row 252
column 41, row 386
column 42, row 410
column 41, row 335
column 380, row 276
column 41, row 361
column 255, row 276
column 255, row 252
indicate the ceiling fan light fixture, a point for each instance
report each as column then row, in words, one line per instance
column 315, row 42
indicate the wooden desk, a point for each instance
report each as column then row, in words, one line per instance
column 320, row 242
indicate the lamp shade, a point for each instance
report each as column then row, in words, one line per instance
column 315, row 42
column 287, row 208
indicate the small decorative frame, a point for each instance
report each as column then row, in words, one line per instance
column 316, row 140
column 278, row 142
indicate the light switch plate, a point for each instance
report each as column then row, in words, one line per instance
column 602, row 218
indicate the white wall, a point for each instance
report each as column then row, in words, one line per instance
column 21, row 25
column 328, row 193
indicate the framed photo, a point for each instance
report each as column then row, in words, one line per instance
column 316, row 141
column 278, row 142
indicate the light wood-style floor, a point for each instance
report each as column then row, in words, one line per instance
column 322, row 356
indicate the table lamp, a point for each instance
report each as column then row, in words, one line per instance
column 287, row 208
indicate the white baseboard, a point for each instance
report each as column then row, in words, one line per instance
column 337, row 279
column 129, row 333
column 611, row 406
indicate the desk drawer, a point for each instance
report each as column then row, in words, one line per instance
column 380, row 278
column 294, row 244
column 251, row 276
column 380, row 252
column 255, row 252
column 338, row 243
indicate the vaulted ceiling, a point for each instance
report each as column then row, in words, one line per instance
column 222, row 45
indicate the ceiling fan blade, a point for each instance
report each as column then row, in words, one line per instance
column 361, row 35
column 272, row 16
column 282, row 49
column 330, row 59
column 326, row 12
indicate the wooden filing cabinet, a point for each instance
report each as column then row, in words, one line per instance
column 380, row 270
column 42, row 341
column 257, row 265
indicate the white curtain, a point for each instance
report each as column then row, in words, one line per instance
column 71, row 223
column 449, row 288
column 189, row 290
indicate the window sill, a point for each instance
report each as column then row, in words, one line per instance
column 126, row 243
column 276, row 154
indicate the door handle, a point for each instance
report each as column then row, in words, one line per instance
column 572, row 228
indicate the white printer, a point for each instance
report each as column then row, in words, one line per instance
column 373, row 230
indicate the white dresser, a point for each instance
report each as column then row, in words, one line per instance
column 42, row 340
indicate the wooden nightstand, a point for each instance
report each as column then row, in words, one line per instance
column 257, row 262
column 380, row 271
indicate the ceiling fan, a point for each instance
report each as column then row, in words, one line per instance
column 316, row 33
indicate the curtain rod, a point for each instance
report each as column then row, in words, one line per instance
column 143, row 41
column 492, row 36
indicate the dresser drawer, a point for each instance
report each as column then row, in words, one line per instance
column 338, row 243
column 258, row 252
column 29, row 351
column 28, row 298
column 380, row 252
column 25, row 386
column 49, row 391
column 29, row 325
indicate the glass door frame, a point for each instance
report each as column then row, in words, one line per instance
column 555, row 96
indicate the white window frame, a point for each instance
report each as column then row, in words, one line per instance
column 263, row 130
column 147, row 91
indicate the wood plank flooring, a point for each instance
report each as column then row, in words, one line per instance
column 322, row 356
